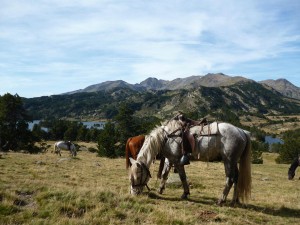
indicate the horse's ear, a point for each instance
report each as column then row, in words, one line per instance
column 132, row 161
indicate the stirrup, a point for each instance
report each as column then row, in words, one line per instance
column 184, row 160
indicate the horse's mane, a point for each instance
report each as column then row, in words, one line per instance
column 154, row 142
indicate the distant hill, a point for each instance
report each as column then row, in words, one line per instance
column 106, row 86
column 216, row 94
column 283, row 86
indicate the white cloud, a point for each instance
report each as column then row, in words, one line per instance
column 94, row 41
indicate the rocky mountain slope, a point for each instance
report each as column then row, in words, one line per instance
column 224, row 97
column 284, row 87
column 210, row 80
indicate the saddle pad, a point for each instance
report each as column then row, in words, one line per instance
column 210, row 129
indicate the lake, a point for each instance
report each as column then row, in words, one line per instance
column 89, row 124
column 270, row 140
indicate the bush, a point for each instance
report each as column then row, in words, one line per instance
column 257, row 149
column 288, row 151
column 291, row 147
column 107, row 140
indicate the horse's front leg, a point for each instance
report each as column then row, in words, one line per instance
column 164, row 176
column 182, row 175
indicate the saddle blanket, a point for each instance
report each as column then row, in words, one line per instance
column 210, row 129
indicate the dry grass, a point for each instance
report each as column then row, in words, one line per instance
column 46, row 189
column 282, row 126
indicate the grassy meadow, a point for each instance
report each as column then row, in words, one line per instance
column 48, row 189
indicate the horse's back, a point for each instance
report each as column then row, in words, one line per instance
column 228, row 130
column 220, row 140
column 133, row 146
column 64, row 145
column 59, row 143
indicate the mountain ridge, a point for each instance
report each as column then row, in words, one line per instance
column 245, row 97
column 281, row 85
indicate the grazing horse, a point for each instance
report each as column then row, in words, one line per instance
column 293, row 167
column 229, row 142
column 58, row 146
column 133, row 146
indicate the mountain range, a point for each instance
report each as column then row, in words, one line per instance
column 223, row 97
column 283, row 86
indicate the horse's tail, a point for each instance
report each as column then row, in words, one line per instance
column 244, row 180
column 127, row 153
column 54, row 147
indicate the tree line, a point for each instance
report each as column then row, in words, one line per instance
column 15, row 135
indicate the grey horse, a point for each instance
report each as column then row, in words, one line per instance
column 230, row 142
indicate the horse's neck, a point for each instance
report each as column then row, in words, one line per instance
column 294, row 165
column 151, row 148
column 147, row 158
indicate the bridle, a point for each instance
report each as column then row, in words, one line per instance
column 144, row 179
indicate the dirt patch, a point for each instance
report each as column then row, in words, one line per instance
column 208, row 216
column 24, row 199
column 20, row 202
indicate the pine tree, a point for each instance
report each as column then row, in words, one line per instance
column 107, row 141
column 14, row 133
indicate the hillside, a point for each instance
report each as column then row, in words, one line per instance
column 284, row 86
column 243, row 97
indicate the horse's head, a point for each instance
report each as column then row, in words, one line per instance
column 292, row 169
column 139, row 177
column 291, row 174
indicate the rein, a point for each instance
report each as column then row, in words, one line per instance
column 171, row 135
column 143, row 180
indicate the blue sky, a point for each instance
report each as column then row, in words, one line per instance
column 52, row 47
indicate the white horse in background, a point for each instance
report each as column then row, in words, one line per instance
column 58, row 146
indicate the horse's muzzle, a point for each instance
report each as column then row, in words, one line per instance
column 136, row 190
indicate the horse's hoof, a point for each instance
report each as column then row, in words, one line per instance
column 160, row 190
column 233, row 204
column 220, row 202
column 184, row 196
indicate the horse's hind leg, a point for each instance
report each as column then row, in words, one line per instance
column 230, row 170
column 235, row 199
column 226, row 190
